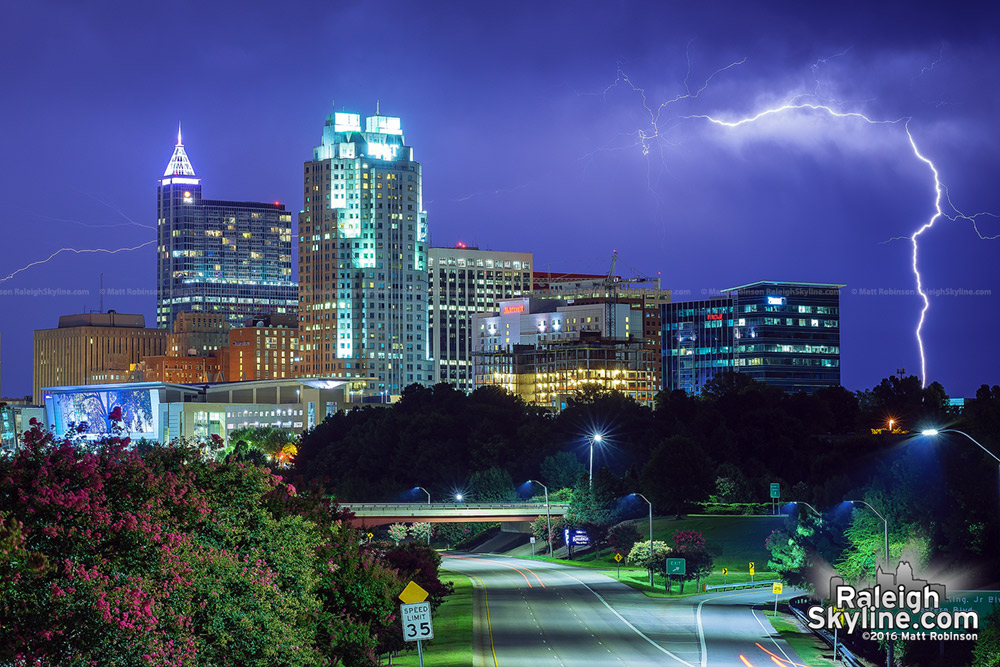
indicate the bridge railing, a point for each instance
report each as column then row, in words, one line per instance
column 742, row 584
column 382, row 507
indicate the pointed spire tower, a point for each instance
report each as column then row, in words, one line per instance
column 179, row 164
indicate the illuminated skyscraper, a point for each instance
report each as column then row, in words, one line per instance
column 363, row 257
column 212, row 256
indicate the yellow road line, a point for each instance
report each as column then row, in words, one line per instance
column 489, row 623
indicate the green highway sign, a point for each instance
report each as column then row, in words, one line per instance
column 775, row 490
column 676, row 566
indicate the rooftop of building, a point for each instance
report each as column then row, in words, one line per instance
column 783, row 283
column 111, row 318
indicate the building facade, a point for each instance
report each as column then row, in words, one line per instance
column 213, row 256
column 91, row 344
column 465, row 281
column 363, row 257
column 784, row 334
column 198, row 334
column 265, row 350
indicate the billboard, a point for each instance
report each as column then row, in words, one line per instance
column 91, row 407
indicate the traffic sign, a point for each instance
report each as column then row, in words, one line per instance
column 532, row 540
column 776, row 588
column 413, row 593
column 371, row 535
column 676, row 566
column 751, row 569
column 725, row 571
column 775, row 490
column 618, row 558
column 417, row 624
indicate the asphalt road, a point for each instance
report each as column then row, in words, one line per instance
column 534, row 613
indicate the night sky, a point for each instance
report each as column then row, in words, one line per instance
column 527, row 121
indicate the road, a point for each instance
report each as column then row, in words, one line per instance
column 534, row 613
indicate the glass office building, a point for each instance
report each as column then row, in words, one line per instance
column 215, row 256
column 784, row 334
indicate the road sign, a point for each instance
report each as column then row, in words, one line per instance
column 413, row 593
column 618, row 558
column 371, row 535
column 776, row 588
column 676, row 566
column 751, row 569
column 725, row 571
column 417, row 625
column 775, row 490
column 532, row 540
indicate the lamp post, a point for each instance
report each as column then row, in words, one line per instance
column 815, row 511
column 428, row 522
column 888, row 648
column 935, row 432
column 650, row 536
column 598, row 438
column 548, row 517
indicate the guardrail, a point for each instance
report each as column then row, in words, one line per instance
column 742, row 584
column 842, row 651
column 456, row 506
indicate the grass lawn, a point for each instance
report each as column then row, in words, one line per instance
column 452, row 643
column 811, row 649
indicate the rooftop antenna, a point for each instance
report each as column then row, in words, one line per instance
column 179, row 142
column 377, row 111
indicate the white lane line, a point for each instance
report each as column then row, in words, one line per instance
column 770, row 635
column 625, row 621
column 701, row 636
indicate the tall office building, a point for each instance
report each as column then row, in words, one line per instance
column 228, row 257
column 782, row 333
column 363, row 257
column 465, row 281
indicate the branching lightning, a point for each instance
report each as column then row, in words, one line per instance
column 78, row 251
column 943, row 206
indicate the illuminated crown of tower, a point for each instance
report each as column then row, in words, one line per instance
column 179, row 164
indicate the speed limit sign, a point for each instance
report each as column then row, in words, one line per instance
column 416, row 621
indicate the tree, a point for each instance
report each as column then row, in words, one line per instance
column 397, row 532
column 677, row 473
column 561, row 470
column 987, row 650
column 421, row 531
column 639, row 555
column 493, row 486
column 698, row 562
column 623, row 536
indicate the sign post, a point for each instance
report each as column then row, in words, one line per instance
column 675, row 566
column 751, row 572
column 618, row 559
column 370, row 536
column 415, row 612
column 776, row 589
column 725, row 573
column 532, row 546
column 775, row 494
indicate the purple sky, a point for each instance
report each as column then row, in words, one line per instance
column 527, row 144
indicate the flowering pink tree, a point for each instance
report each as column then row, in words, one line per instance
column 168, row 559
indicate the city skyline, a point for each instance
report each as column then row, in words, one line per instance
column 547, row 149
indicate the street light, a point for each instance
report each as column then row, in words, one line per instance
column 650, row 536
column 428, row 522
column 458, row 497
column 935, row 432
column 548, row 517
column 598, row 438
column 815, row 511
column 888, row 648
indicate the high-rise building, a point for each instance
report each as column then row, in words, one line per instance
column 87, row 345
column 227, row 257
column 782, row 333
column 363, row 257
column 464, row 281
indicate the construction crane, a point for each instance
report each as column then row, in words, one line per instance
column 612, row 283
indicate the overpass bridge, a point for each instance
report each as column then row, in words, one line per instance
column 377, row 514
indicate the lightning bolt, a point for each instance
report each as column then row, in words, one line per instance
column 78, row 251
column 941, row 195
